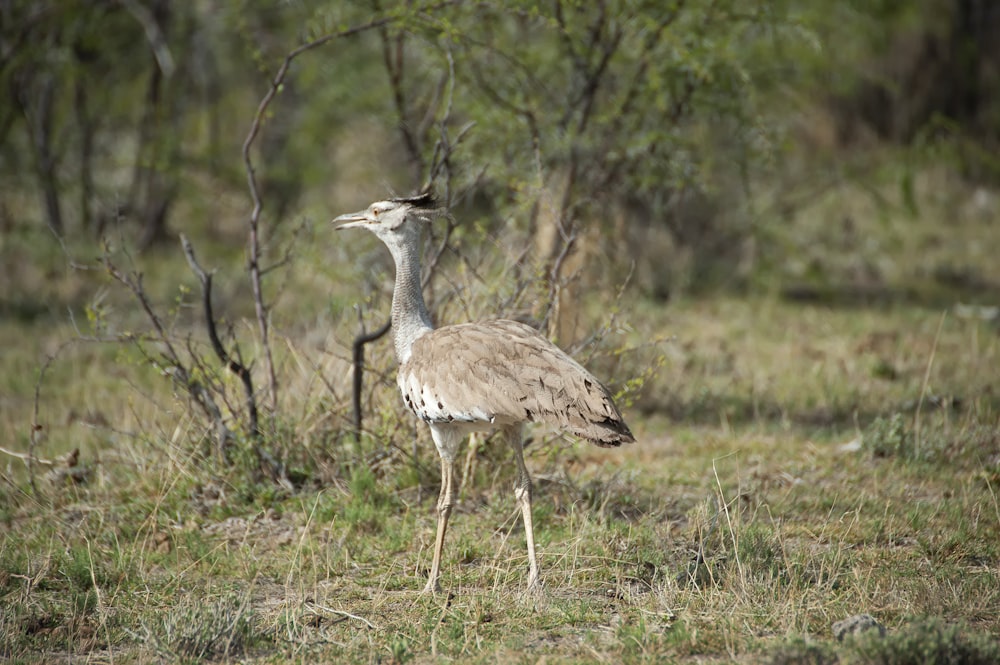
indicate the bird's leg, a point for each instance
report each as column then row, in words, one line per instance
column 444, row 504
column 470, row 458
column 522, row 492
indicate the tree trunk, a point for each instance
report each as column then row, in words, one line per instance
column 39, row 118
column 85, row 126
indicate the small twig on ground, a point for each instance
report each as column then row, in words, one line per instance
column 28, row 457
column 343, row 614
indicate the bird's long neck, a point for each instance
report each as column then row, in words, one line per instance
column 410, row 318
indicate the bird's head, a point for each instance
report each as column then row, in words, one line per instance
column 392, row 217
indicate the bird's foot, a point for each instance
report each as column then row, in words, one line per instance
column 432, row 587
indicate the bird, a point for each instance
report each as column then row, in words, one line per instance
column 494, row 375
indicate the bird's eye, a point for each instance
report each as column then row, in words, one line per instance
column 375, row 212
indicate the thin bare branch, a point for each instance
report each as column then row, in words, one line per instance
column 174, row 366
column 358, row 368
column 133, row 281
column 556, row 281
column 237, row 368
column 154, row 35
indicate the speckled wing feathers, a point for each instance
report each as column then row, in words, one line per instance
column 503, row 372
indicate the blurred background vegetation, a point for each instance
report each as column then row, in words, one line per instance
column 690, row 133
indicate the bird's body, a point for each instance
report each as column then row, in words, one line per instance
column 493, row 375
column 501, row 373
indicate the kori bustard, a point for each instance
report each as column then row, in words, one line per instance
column 469, row 377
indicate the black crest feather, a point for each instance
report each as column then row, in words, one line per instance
column 423, row 200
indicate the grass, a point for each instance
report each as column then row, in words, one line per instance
column 797, row 464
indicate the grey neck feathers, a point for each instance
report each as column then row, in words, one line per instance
column 410, row 318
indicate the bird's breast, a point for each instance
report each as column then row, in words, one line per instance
column 435, row 403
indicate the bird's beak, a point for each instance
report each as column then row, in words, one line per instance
column 350, row 220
